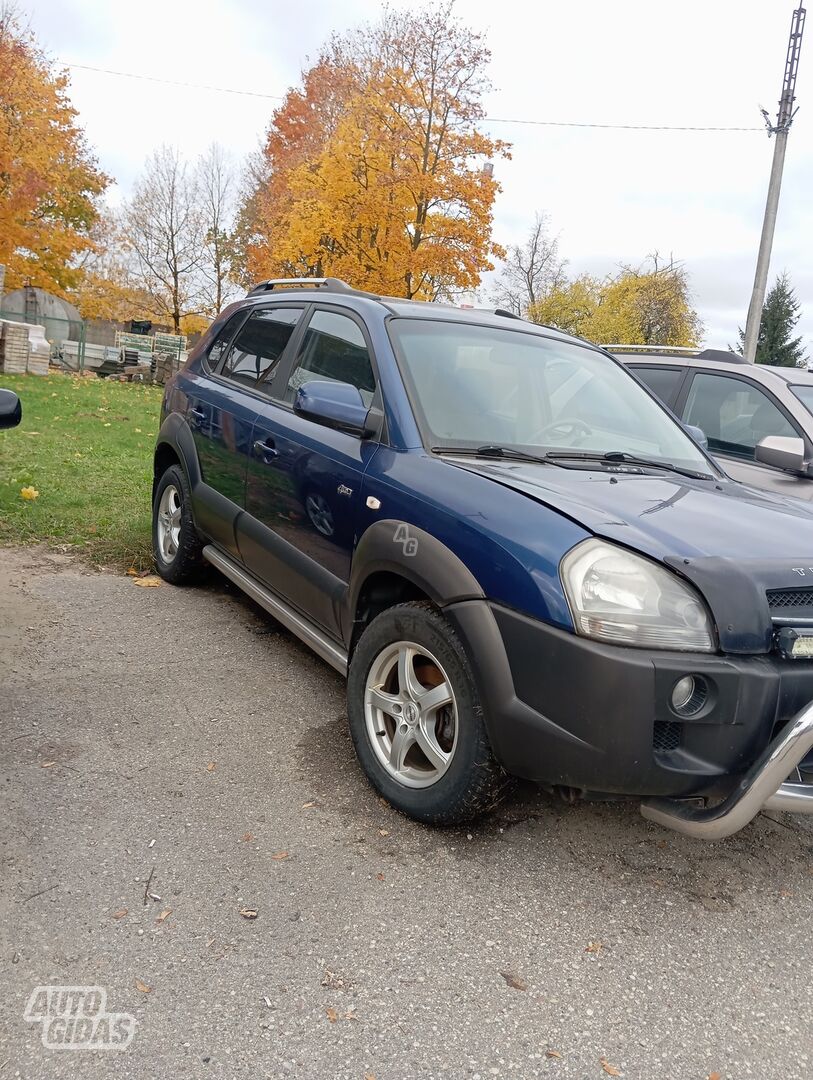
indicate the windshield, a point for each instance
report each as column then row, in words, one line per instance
column 475, row 385
column 805, row 395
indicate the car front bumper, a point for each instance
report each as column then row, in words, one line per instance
column 566, row 711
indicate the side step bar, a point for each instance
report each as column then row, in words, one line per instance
column 296, row 623
column 762, row 788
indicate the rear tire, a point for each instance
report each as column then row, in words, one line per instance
column 416, row 719
column 176, row 546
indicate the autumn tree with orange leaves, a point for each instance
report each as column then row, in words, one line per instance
column 49, row 180
column 373, row 170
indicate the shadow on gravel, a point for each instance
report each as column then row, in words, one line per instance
column 772, row 859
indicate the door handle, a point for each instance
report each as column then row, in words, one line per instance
column 266, row 450
column 198, row 414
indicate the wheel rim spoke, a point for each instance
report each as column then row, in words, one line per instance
column 427, row 740
column 402, row 741
column 407, row 680
column 391, row 704
column 429, row 700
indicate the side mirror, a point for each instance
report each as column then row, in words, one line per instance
column 335, row 404
column 11, row 411
column 698, row 434
column 782, row 452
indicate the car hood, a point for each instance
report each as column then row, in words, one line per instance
column 734, row 542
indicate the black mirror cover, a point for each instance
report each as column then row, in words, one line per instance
column 11, row 410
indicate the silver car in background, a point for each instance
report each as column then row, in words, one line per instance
column 757, row 419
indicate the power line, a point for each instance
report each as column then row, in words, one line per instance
column 171, row 82
column 486, row 119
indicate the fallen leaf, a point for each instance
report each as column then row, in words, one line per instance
column 247, row 838
column 29, row 493
column 610, row 1070
column 248, row 912
column 211, row 766
column 552, row 1054
column 715, row 1076
column 308, row 805
column 164, row 915
column 47, row 764
column 143, row 987
column 120, row 913
column 383, row 832
column 594, row 947
column 514, row 981
column 279, row 855
column 369, row 1076
column 138, row 431
column 332, row 980
column 379, row 876
column 152, row 581
column 332, row 1015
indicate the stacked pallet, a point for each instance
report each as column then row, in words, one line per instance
column 164, row 366
column 13, row 348
column 39, row 351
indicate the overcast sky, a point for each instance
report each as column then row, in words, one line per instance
column 612, row 196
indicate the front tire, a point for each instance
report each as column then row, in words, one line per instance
column 176, row 546
column 416, row 719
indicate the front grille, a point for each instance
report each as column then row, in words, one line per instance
column 790, row 599
column 666, row 736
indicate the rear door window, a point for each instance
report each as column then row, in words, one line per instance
column 258, row 347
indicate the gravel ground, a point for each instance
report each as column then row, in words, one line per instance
column 183, row 735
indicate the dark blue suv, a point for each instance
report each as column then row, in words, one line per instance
column 522, row 562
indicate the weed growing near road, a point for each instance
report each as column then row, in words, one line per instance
column 85, row 447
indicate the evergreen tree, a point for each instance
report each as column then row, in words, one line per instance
column 780, row 313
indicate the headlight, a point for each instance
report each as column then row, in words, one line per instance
column 624, row 599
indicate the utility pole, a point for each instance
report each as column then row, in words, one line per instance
column 780, row 129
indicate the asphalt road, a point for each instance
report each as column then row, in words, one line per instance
column 181, row 734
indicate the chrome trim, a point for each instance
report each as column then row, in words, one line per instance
column 296, row 623
column 762, row 788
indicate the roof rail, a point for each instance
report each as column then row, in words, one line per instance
column 671, row 349
column 716, row 356
column 723, row 356
column 329, row 284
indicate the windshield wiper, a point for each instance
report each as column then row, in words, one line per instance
column 611, row 456
column 493, row 451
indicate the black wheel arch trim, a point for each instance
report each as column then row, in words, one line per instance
column 431, row 566
column 175, row 432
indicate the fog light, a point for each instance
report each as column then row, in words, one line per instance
column 689, row 695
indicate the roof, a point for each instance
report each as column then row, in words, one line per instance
column 334, row 291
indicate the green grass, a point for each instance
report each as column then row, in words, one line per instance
column 86, row 446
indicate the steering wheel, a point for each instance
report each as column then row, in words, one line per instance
column 566, row 426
